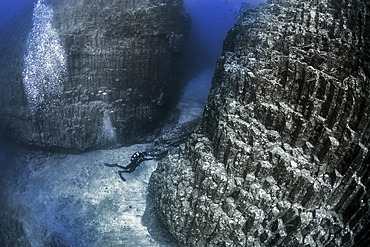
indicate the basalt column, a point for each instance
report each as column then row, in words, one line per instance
column 84, row 74
column 282, row 155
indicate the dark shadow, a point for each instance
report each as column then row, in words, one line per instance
column 154, row 225
column 12, row 231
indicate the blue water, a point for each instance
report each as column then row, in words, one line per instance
column 211, row 20
column 8, row 8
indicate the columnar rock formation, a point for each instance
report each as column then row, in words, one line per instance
column 83, row 74
column 282, row 155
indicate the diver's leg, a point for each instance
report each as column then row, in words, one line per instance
column 121, row 176
column 131, row 167
column 129, row 170
column 115, row 165
column 111, row 165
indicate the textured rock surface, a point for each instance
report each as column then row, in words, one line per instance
column 282, row 156
column 83, row 74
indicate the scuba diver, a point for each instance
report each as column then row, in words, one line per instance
column 136, row 159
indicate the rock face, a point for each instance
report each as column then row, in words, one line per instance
column 282, row 155
column 84, row 74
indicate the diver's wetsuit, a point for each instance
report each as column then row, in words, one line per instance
column 136, row 159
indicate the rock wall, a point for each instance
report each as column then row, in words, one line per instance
column 84, row 74
column 282, row 156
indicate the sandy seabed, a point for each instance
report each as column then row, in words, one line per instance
column 75, row 200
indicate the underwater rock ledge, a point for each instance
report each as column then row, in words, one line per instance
column 77, row 75
column 282, row 155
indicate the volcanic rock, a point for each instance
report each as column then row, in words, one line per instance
column 78, row 75
column 282, row 155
